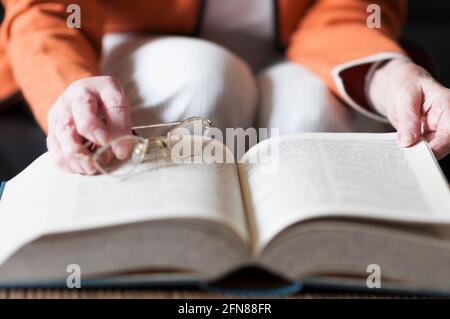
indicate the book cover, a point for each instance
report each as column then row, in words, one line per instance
column 2, row 187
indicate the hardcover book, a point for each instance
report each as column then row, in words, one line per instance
column 325, row 208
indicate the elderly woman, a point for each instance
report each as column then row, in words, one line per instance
column 136, row 62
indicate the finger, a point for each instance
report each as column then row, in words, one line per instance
column 72, row 147
column 122, row 149
column 391, row 113
column 56, row 153
column 429, row 136
column 437, row 99
column 83, row 160
column 55, row 150
column 87, row 118
column 68, row 142
column 57, row 116
column 440, row 144
column 431, row 119
column 105, row 158
column 409, row 107
column 118, row 121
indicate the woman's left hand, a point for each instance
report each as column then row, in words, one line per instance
column 415, row 104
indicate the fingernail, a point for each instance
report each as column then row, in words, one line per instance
column 88, row 168
column 100, row 136
column 121, row 152
column 406, row 138
column 77, row 168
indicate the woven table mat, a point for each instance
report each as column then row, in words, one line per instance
column 172, row 294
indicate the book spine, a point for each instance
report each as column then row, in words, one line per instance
column 2, row 187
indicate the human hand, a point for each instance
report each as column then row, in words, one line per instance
column 414, row 103
column 94, row 110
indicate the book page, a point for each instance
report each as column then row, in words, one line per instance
column 66, row 202
column 21, row 220
column 336, row 174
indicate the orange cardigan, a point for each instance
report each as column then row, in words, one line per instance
column 41, row 56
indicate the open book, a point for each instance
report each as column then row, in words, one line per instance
column 326, row 207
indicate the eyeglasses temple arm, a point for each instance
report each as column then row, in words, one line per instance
column 156, row 125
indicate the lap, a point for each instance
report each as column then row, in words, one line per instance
column 171, row 78
column 294, row 99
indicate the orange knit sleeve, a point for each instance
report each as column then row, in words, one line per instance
column 333, row 33
column 44, row 53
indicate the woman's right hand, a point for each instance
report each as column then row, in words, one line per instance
column 94, row 110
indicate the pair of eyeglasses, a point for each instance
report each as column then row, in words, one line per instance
column 143, row 150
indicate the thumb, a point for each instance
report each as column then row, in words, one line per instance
column 117, row 111
column 408, row 124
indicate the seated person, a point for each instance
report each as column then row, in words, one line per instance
column 131, row 63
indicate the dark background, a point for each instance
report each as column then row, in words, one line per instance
column 427, row 28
